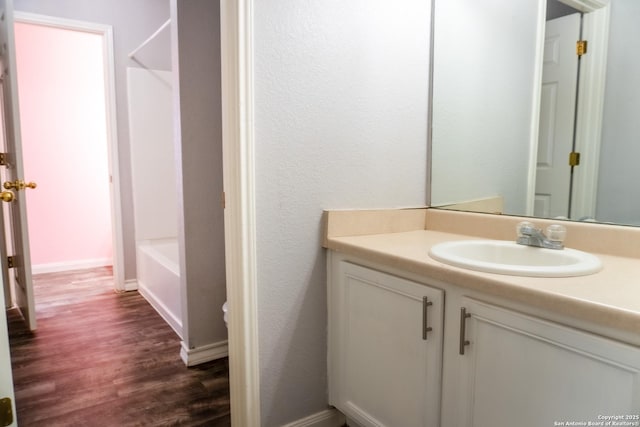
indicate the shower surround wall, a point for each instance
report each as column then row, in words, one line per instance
column 155, row 198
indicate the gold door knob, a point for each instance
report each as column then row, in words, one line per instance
column 6, row 196
column 18, row 185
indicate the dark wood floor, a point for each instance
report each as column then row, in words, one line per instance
column 101, row 358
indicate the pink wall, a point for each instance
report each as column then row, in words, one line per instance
column 62, row 109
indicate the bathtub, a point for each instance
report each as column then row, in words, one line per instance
column 159, row 279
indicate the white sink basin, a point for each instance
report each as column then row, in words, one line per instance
column 502, row 257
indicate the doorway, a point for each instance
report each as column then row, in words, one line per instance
column 587, row 127
column 556, row 137
column 67, row 107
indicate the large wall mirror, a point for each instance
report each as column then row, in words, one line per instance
column 524, row 125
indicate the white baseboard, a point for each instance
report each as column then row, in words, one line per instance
column 327, row 418
column 56, row 267
column 161, row 308
column 130, row 285
column 206, row 353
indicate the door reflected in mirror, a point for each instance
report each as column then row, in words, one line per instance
column 514, row 109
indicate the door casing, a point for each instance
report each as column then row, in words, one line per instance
column 106, row 33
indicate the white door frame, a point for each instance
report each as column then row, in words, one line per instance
column 236, row 28
column 106, row 32
column 591, row 92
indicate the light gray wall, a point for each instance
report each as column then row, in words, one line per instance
column 198, row 138
column 133, row 22
column 619, row 175
column 341, row 122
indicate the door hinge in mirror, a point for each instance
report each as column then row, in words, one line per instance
column 11, row 261
column 574, row 158
column 581, row 47
column 3, row 159
column 6, row 412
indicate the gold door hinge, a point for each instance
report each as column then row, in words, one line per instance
column 3, row 159
column 6, row 412
column 574, row 158
column 581, row 47
column 11, row 261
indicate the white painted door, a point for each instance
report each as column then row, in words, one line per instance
column 21, row 272
column 557, row 116
column 386, row 368
column 519, row 370
column 6, row 378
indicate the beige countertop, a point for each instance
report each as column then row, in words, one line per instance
column 610, row 298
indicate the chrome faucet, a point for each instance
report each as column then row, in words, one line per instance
column 530, row 235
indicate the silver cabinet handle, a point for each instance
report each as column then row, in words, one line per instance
column 463, row 321
column 425, row 323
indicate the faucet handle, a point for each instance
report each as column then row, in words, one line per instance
column 522, row 226
column 556, row 233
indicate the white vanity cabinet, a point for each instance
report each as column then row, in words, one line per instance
column 521, row 370
column 385, row 348
column 484, row 363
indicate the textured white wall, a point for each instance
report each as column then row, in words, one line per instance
column 482, row 100
column 341, row 122
column 618, row 189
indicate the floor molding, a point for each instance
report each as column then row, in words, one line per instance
column 56, row 267
column 205, row 353
column 130, row 285
column 161, row 308
column 327, row 418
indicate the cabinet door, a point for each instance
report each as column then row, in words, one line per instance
column 519, row 370
column 383, row 373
